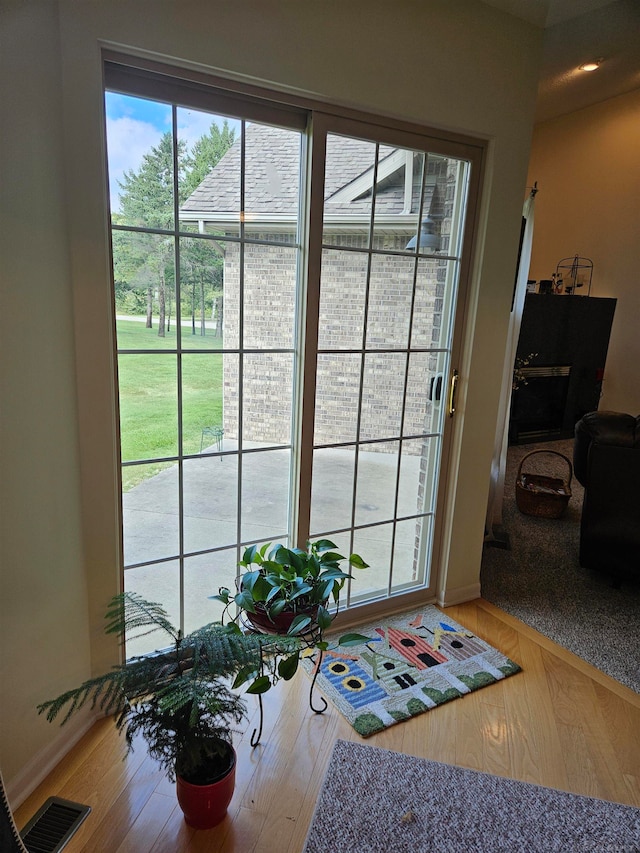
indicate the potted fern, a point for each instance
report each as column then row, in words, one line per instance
column 178, row 699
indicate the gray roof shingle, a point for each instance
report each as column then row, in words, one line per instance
column 272, row 177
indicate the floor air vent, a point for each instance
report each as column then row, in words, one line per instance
column 53, row 825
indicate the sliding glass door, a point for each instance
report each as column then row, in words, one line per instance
column 285, row 306
column 390, row 257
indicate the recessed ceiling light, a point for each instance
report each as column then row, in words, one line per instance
column 591, row 66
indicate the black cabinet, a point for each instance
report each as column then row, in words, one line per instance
column 570, row 336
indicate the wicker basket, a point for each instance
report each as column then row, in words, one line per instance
column 542, row 496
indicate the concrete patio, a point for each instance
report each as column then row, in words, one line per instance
column 151, row 522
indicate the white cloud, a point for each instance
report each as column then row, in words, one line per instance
column 192, row 125
column 128, row 140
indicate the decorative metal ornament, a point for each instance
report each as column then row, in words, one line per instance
column 572, row 274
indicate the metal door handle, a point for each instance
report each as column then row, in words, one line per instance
column 435, row 388
column 453, row 384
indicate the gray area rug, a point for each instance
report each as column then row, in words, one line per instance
column 539, row 579
column 377, row 801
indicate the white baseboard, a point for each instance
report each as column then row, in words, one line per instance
column 38, row 768
column 449, row 597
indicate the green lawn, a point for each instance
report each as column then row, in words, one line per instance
column 149, row 394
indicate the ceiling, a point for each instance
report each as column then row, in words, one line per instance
column 576, row 31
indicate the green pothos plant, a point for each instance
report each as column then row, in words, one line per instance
column 287, row 593
column 290, row 582
column 519, row 375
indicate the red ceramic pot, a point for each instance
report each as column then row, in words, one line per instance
column 204, row 806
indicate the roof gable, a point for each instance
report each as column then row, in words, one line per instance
column 272, row 179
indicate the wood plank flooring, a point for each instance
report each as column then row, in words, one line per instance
column 559, row 723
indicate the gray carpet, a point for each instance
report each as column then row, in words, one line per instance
column 539, row 579
column 377, row 801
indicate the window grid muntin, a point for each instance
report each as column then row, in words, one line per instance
column 445, row 260
column 176, row 352
column 449, row 147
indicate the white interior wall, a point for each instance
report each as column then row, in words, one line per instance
column 587, row 167
column 460, row 66
column 44, row 626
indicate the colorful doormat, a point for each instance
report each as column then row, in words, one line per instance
column 409, row 664
column 377, row 801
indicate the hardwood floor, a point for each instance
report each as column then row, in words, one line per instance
column 558, row 723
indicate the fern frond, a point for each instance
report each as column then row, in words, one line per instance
column 129, row 612
column 199, row 701
column 223, row 651
column 106, row 691
column 179, row 699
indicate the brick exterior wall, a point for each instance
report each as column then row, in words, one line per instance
column 360, row 307
column 269, row 302
column 269, row 307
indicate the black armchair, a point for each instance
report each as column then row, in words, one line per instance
column 606, row 461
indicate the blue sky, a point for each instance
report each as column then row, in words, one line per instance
column 135, row 125
column 150, row 112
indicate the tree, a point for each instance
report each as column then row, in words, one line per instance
column 144, row 263
column 207, row 153
column 147, row 194
column 147, row 200
column 200, row 265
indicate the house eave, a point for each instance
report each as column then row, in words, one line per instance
column 277, row 222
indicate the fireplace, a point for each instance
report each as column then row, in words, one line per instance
column 538, row 405
column 563, row 342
